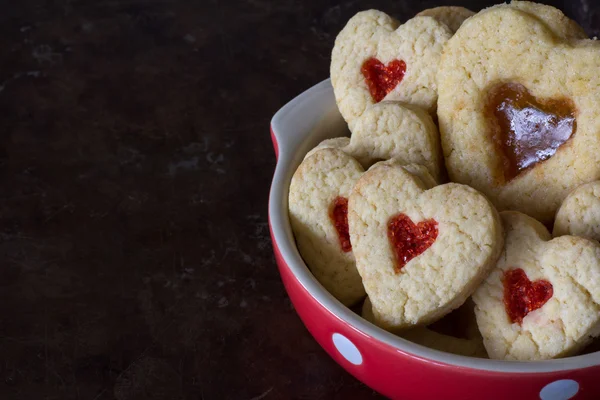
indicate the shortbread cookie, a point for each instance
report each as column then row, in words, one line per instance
column 515, row 122
column 452, row 16
column 375, row 58
column 579, row 214
column 318, row 201
column 333, row 143
column 421, row 252
column 393, row 130
column 542, row 299
column 471, row 347
column 552, row 17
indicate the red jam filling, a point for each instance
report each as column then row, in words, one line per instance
column 339, row 217
column 382, row 79
column 527, row 131
column 408, row 239
column 521, row 296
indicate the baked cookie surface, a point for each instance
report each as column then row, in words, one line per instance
column 420, row 251
column 391, row 130
column 451, row 16
column 542, row 299
column 579, row 214
column 554, row 19
column 375, row 58
column 318, row 214
column 518, row 107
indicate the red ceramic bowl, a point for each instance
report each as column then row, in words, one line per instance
column 387, row 363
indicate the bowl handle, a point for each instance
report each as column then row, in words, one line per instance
column 302, row 114
column 274, row 141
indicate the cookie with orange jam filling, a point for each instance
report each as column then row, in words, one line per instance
column 518, row 107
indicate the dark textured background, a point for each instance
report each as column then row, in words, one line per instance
column 135, row 161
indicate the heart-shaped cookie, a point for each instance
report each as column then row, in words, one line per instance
column 451, row 16
column 542, row 300
column 393, row 130
column 318, row 214
column 421, row 252
column 579, row 214
column 522, row 128
column 375, row 59
column 471, row 346
column 318, row 207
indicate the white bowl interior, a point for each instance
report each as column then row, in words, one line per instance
column 298, row 127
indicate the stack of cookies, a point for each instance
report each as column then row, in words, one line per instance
column 471, row 135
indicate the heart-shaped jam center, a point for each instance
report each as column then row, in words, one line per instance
column 527, row 131
column 339, row 217
column 382, row 79
column 408, row 239
column 521, row 296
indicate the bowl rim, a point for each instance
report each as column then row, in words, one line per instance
column 282, row 132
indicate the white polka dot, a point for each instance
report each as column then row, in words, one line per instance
column 560, row 390
column 347, row 349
